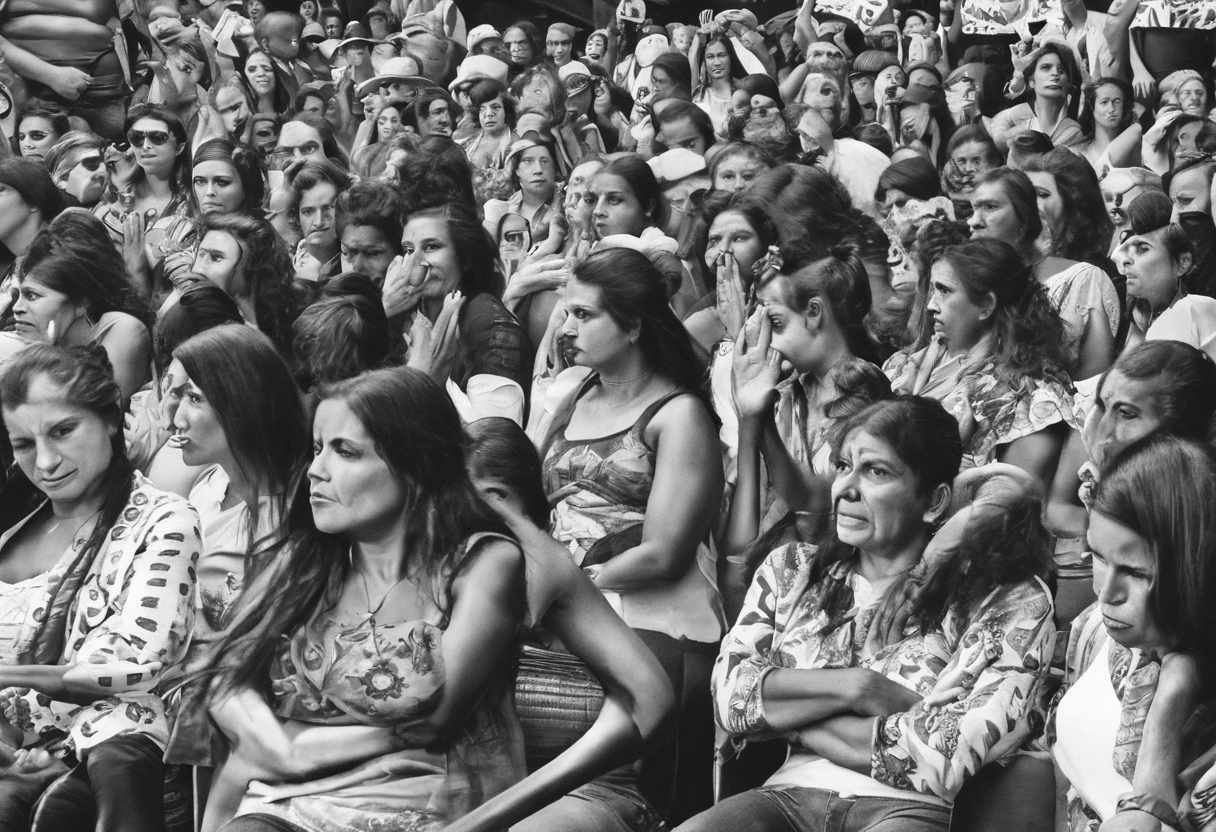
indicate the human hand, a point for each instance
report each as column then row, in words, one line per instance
column 403, row 283
column 433, row 348
column 69, row 82
column 133, row 254
column 549, row 272
column 170, row 31
column 731, row 296
column 1144, row 85
column 1020, row 53
column 755, row 368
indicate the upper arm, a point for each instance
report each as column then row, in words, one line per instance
column 688, row 479
column 129, row 347
column 1037, row 453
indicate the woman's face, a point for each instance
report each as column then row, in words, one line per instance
column 1193, row 97
column 35, row 137
column 430, row 236
column 791, row 337
column 578, row 202
column 42, row 313
column 617, row 209
column 256, row 9
column 735, row 173
column 308, row 10
column 874, row 495
column 537, row 173
column 519, row 46
column 717, row 61
column 260, row 73
column 14, row 210
column 492, row 116
column 662, row 83
column 352, row 490
column 219, row 259
column 1151, row 273
column 1124, row 573
column 317, row 215
column 992, row 215
column 730, row 232
column 197, row 429
column 1051, row 204
column 1125, row 410
column 234, row 110
column 388, row 123
column 217, row 187
column 956, row 318
column 157, row 160
column 1050, row 78
column 893, row 198
column 589, row 334
column 62, row 448
column 1109, row 106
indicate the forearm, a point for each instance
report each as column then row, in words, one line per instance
column 804, row 26
column 743, row 523
column 847, row 741
column 1117, row 32
column 228, row 787
column 790, row 480
column 1129, row 56
column 644, row 565
column 791, row 87
column 1160, row 757
column 26, row 64
column 49, row 681
column 794, row 699
column 318, row 748
column 363, row 135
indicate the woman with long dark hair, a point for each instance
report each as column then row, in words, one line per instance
column 29, row 200
column 1111, row 134
column 715, row 67
column 405, row 604
column 1052, row 77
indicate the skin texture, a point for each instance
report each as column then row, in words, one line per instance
column 317, row 217
column 366, row 249
column 736, row 172
column 1151, row 274
column 86, row 185
column 36, row 136
column 617, row 210
column 217, row 187
column 1124, row 572
column 200, row 436
column 956, row 318
column 1190, row 191
column 219, row 259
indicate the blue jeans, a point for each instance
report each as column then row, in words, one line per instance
column 796, row 809
column 595, row 807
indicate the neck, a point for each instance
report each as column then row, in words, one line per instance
column 835, row 352
column 626, row 379
column 156, row 187
column 976, row 350
column 1048, row 110
column 531, row 199
column 381, row 558
column 1103, row 136
column 323, row 253
column 19, row 239
column 495, row 134
column 211, row 14
column 84, row 506
column 721, row 86
column 877, row 567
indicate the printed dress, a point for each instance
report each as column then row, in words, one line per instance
column 1000, row 657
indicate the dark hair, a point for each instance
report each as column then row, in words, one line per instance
column 249, row 168
column 761, row 84
column 37, row 189
column 200, row 306
column 1068, row 63
column 532, row 33
column 181, row 167
column 676, row 65
column 38, row 108
column 736, row 66
column 281, row 100
column 733, row 150
column 640, row 179
column 1090, row 90
column 416, row 430
column 1183, row 380
column 340, row 337
column 1023, row 198
column 678, row 110
column 485, row 90
column 1207, row 164
column 1028, row 334
column 256, row 402
column 310, row 176
column 618, row 96
column 475, row 250
column 1086, row 226
column 438, row 173
column 917, row 177
column 77, row 276
column 423, row 102
column 1162, row 489
column 1149, row 211
column 807, row 205
column 374, row 203
column 968, row 133
column 329, row 142
column 502, row 452
column 632, row 293
column 1029, row 142
column 876, row 136
column 721, row 203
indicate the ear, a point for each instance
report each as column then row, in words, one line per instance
column 1185, row 262
column 988, row 307
column 635, row 333
column 939, row 504
column 814, row 314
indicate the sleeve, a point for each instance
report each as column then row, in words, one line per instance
column 1068, row 134
column 746, row 654
column 1002, row 660
column 493, row 342
column 154, row 615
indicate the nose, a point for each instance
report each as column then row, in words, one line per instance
column 19, row 305
column 844, row 487
column 1110, row 589
column 46, row 458
column 600, row 211
column 567, row 327
column 180, row 420
column 316, row 471
column 1175, row 215
column 975, row 223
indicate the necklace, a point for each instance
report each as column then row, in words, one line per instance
column 55, row 526
column 627, row 381
column 371, row 612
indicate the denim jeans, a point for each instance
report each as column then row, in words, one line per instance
column 796, row 809
column 595, row 807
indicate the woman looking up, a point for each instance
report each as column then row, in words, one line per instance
column 1052, row 78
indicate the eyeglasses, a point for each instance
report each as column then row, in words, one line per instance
column 157, row 137
column 90, row 163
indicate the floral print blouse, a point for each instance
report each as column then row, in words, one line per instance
column 129, row 624
column 1000, row 657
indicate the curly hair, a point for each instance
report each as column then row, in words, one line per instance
column 1085, row 227
column 1090, row 91
column 310, row 176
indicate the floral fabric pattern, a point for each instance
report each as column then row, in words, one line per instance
column 1000, row 657
column 1079, row 292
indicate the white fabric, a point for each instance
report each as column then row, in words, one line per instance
column 857, row 165
column 487, row 395
column 1191, row 320
column 15, row 600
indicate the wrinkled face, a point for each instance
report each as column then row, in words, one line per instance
column 617, row 209
column 217, row 187
column 1193, row 97
column 1050, row 78
column 875, row 496
column 42, row 313
column 958, row 320
column 259, row 71
column 1151, row 273
column 430, row 236
column 220, row 259
column 62, row 448
column 197, row 429
column 438, row 121
column 1125, row 571
column 367, row 250
column 590, row 335
column 971, row 159
column 352, row 490
column 717, row 61
column 683, row 133
column 823, row 93
column 578, row 205
column 88, row 178
column 298, row 140
column 1190, row 190
column 36, row 136
column 558, row 47
column 157, row 160
column 537, row 172
column 732, row 233
column 333, row 27
column 388, row 123
column 1109, row 106
column 735, row 173
column 234, row 109
column 992, row 215
column 492, row 116
column 317, row 215
column 519, row 47
column 357, row 54
column 1051, row 203
column 1125, row 411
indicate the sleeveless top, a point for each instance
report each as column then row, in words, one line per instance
column 389, row 675
column 609, row 480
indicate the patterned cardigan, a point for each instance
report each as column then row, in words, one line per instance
column 129, row 623
column 1001, row 657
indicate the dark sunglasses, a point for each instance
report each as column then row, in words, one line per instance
column 157, row 137
column 91, row 163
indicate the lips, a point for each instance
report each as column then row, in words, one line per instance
column 55, row 482
column 177, row 440
column 1114, row 623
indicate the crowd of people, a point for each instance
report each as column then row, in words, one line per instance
column 412, row 424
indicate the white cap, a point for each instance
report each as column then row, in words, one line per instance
column 483, row 32
column 676, row 164
column 479, row 66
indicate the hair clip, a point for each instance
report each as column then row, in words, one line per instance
column 772, row 260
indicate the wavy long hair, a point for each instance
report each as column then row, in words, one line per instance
column 1085, row 226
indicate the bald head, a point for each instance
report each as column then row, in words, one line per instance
column 279, row 34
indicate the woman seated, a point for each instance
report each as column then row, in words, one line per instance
column 1140, row 660
column 389, row 655
column 588, row 692
column 992, row 351
column 1007, row 206
column 887, row 736
column 96, row 586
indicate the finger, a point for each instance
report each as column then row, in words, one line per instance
column 765, row 338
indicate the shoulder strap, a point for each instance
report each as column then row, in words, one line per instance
column 639, row 427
